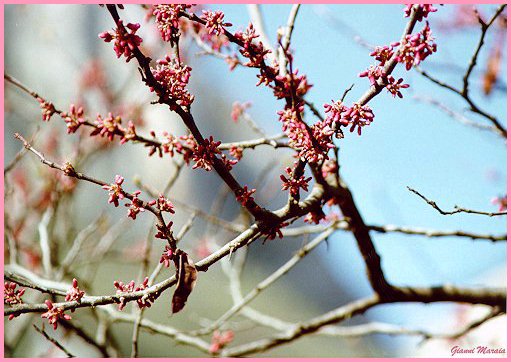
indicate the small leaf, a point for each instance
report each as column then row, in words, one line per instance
column 186, row 278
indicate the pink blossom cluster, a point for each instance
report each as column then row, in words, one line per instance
column 357, row 116
column 130, row 288
column 124, row 43
column 219, row 340
column 384, row 53
column 167, row 19
column 11, row 295
column 74, row 293
column 251, row 49
column 291, row 84
column 163, row 204
column 115, row 190
column 54, row 314
column 312, row 143
column 423, row 10
column 294, row 184
column 244, row 195
column 214, row 21
column 108, row 126
column 273, row 231
column 173, row 76
column 416, row 48
column 205, row 154
column 167, row 256
column 74, row 118
column 377, row 74
column 135, row 206
column 47, row 109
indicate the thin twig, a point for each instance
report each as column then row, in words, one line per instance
column 457, row 209
column 54, row 341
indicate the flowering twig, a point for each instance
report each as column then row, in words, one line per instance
column 457, row 209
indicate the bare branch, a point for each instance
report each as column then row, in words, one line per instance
column 457, row 209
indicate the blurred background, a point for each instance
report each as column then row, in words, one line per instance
column 54, row 49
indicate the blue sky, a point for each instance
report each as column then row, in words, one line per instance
column 410, row 143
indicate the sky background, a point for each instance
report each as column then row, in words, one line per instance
column 410, row 143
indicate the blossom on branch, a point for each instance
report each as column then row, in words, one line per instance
column 167, row 256
column 124, row 43
column 423, row 10
column 135, row 206
column 357, row 116
column 54, row 314
column 204, row 154
column 130, row 288
column 394, row 86
column 167, row 19
column 47, row 109
column 74, row 118
column 416, row 48
column 219, row 340
column 244, row 195
column 74, row 293
column 251, row 49
column 173, row 76
column 214, row 21
column 109, row 126
column 294, row 184
column 116, row 192
column 11, row 295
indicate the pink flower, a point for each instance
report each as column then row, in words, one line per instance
column 374, row 73
column 273, row 231
column 173, row 77
column 334, row 111
column 254, row 51
column 116, row 192
column 289, row 83
column 423, row 10
column 238, row 109
column 416, row 48
column 109, row 127
column 11, row 295
column 74, row 118
column 220, row 340
column 166, row 256
column 501, row 202
column 357, row 116
column 130, row 288
column 74, row 293
column 204, row 155
column 214, row 21
column 163, row 204
column 128, row 133
column 384, row 53
column 244, row 195
column 47, row 109
column 236, row 152
column 394, row 86
column 313, row 143
column 54, row 314
column 135, row 205
column 124, row 43
column 294, row 184
column 167, row 19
